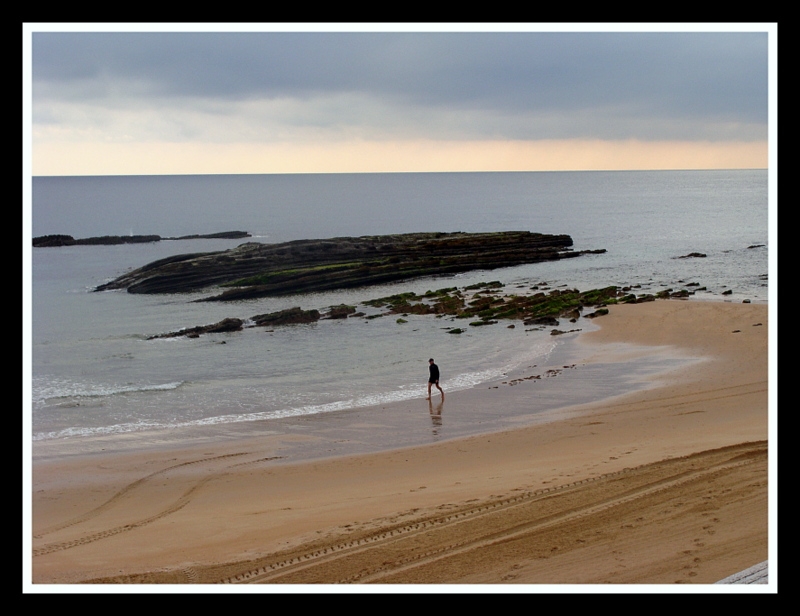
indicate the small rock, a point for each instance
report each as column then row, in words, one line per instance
column 289, row 316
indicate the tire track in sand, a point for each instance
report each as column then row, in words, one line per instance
column 123, row 492
column 178, row 504
column 110, row 532
column 400, row 552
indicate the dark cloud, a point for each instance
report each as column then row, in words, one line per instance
column 659, row 77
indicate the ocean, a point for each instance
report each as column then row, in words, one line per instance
column 97, row 382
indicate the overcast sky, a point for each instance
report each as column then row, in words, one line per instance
column 267, row 102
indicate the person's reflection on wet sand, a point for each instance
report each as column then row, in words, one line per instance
column 436, row 415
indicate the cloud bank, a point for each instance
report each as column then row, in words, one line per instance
column 251, row 94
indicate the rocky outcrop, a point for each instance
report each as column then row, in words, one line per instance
column 289, row 316
column 541, row 321
column 486, row 304
column 296, row 315
column 342, row 311
column 226, row 325
column 255, row 270
column 222, row 235
column 46, row 241
column 538, row 310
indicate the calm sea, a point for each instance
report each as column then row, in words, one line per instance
column 94, row 374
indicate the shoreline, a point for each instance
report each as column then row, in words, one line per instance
column 185, row 515
column 563, row 380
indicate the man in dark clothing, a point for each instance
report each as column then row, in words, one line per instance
column 433, row 379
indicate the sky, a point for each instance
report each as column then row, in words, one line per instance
column 107, row 100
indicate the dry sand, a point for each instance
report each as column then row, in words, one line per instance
column 667, row 485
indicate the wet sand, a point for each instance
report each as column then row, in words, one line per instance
column 664, row 485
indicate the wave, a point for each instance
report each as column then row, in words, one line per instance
column 51, row 391
column 467, row 380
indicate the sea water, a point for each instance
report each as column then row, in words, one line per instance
column 95, row 373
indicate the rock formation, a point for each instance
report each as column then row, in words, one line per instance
column 46, row 241
column 286, row 317
column 255, row 270
column 226, row 325
column 539, row 309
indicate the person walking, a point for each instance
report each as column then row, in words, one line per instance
column 433, row 379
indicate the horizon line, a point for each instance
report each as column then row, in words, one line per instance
column 94, row 175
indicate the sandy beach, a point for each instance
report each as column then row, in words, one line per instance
column 667, row 485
